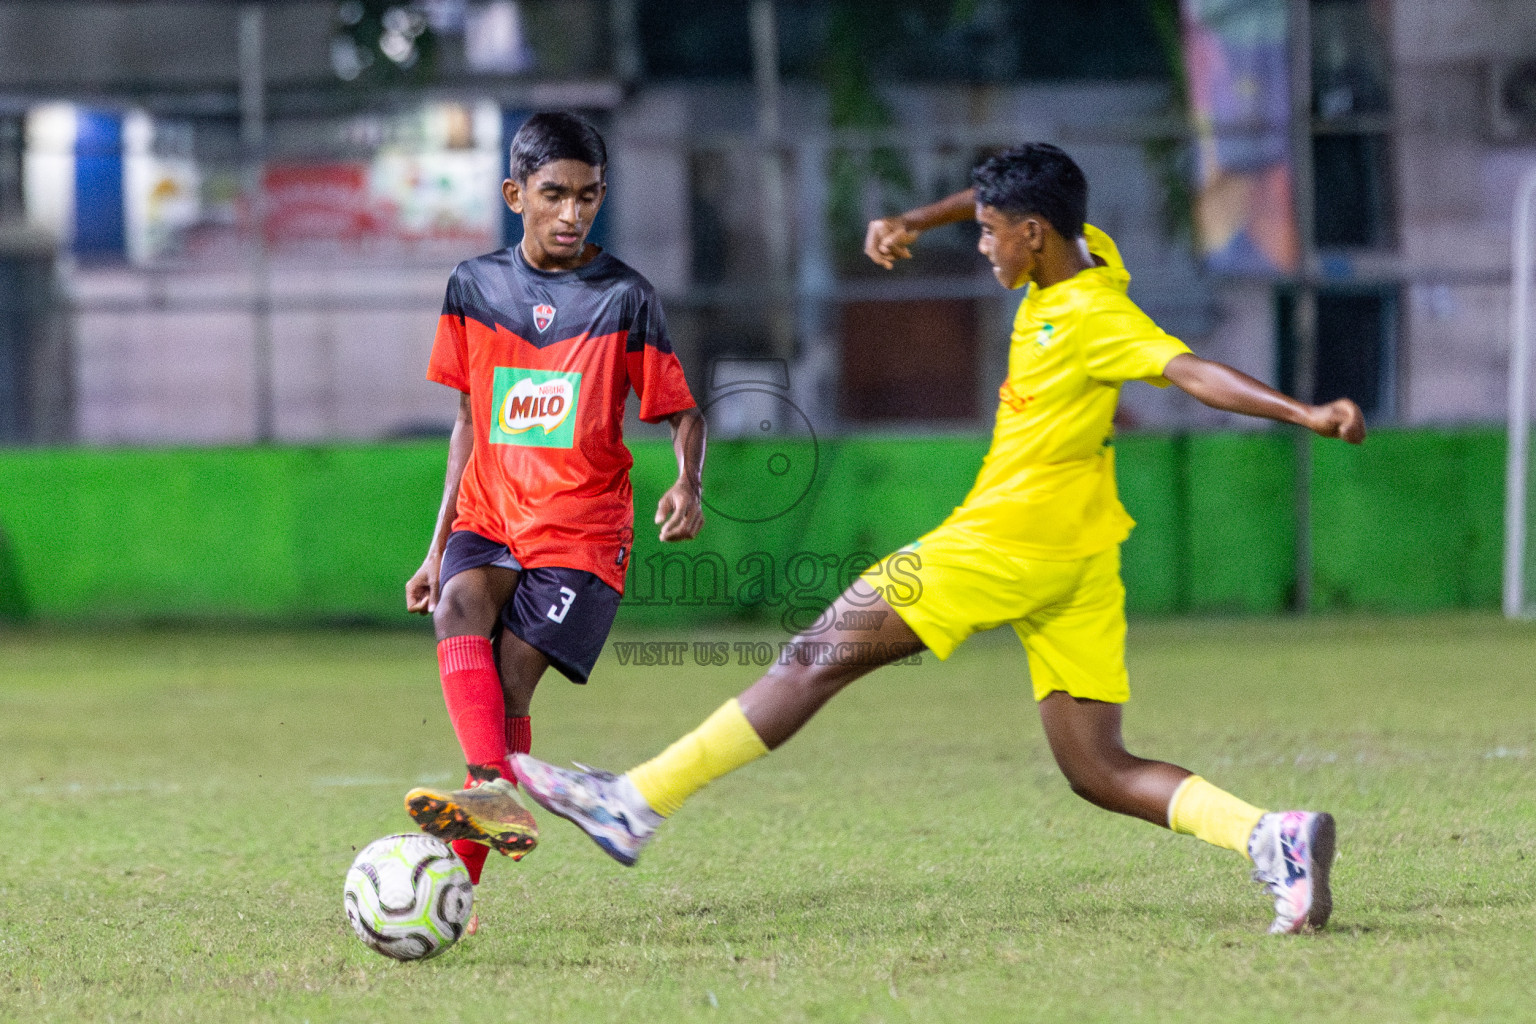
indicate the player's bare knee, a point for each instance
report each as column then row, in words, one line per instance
column 1081, row 789
column 814, row 684
column 1082, row 784
column 459, row 613
column 1093, row 780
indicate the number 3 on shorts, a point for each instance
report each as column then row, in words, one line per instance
column 567, row 595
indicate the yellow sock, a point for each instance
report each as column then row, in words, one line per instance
column 1201, row 810
column 725, row 742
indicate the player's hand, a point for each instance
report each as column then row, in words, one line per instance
column 680, row 512
column 1340, row 418
column 888, row 240
column 424, row 588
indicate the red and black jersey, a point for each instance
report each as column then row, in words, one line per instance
column 548, row 359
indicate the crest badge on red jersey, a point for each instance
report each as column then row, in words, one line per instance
column 543, row 316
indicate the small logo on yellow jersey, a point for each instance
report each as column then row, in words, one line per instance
column 1012, row 399
column 1043, row 339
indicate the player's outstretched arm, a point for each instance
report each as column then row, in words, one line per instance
column 1221, row 387
column 890, row 238
column 680, row 512
column 422, row 591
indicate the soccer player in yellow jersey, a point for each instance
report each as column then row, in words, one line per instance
column 1036, row 545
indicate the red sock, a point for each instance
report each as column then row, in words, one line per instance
column 477, row 709
column 519, row 735
column 519, row 741
column 472, row 691
column 473, row 854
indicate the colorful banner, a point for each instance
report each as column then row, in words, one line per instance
column 73, row 178
column 162, row 193
column 107, row 185
column 434, row 185
column 448, row 195
column 396, row 199
column 1237, row 58
column 319, row 202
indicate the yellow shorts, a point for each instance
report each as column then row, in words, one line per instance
column 1070, row 616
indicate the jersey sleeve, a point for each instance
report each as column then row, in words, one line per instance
column 449, row 362
column 654, row 370
column 1122, row 343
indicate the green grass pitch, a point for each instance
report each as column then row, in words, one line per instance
column 181, row 807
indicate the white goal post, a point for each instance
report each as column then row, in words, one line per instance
column 1516, row 604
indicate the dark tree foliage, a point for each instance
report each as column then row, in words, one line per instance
column 853, row 47
column 917, row 40
column 382, row 43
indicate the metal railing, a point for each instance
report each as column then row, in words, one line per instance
column 1516, row 472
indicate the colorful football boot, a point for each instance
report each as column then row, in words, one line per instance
column 1292, row 854
column 605, row 806
column 489, row 813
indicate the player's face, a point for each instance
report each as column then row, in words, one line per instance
column 1011, row 246
column 557, row 204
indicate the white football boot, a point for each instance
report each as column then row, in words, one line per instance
column 1292, row 853
column 607, row 807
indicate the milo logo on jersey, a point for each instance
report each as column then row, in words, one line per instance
column 534, row 407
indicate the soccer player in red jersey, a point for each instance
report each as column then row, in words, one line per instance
column 545, row 340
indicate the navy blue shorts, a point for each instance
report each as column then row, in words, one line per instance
column 565, row 614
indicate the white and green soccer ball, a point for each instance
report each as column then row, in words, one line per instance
column 408, row 897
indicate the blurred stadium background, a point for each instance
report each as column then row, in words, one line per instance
column 225, row 229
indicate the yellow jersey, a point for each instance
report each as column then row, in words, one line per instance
column 1047, row 487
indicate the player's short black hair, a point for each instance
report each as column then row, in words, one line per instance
column 1037, row 178
column 545, row 138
